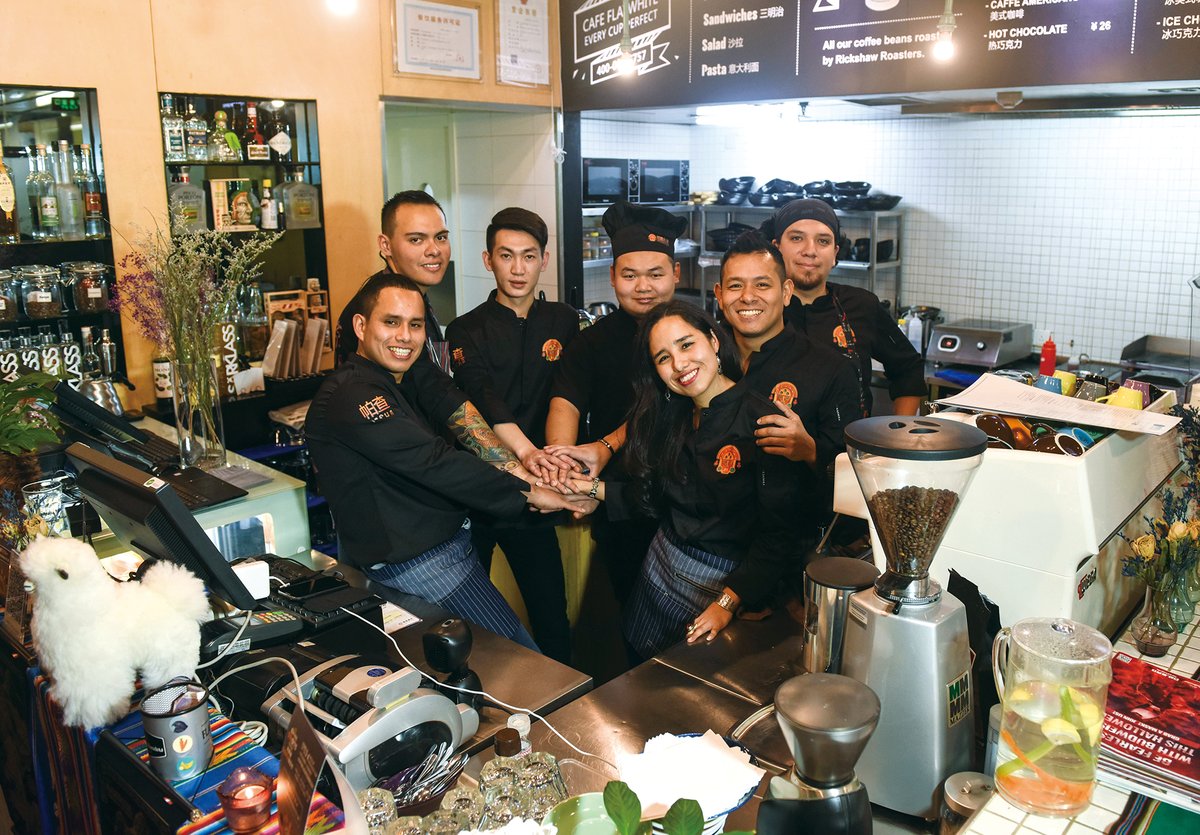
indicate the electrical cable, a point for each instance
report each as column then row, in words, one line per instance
column 295, row 675
column 229, row 646
column 485, row 694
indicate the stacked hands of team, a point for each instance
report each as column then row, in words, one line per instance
column 574, row 471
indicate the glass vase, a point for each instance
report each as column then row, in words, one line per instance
column 198, row 414
column 1153, row 631
column 1182, row 606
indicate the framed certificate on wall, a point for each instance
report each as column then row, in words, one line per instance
column 523, row 42
column 437, row 39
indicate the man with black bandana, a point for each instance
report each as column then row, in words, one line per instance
column 849, row 318
column 398, row 493
column 593, row 381
column 814, row 386
column 504, row 353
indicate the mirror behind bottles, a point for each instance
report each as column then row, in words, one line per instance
column 64, row 122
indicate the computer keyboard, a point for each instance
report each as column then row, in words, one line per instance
column 326, row 610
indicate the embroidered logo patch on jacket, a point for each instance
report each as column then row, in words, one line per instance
column 551, row 350
column 728, row 459
column 785, row 394
column 842, row 336
column 376, row 409
column 458, row 356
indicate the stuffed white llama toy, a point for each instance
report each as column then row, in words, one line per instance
column 93, row 634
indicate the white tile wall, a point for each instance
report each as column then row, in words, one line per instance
column 500, row 159
column 1088, row 227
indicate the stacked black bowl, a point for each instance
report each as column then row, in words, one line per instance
column 734, row 190
column 722, row 239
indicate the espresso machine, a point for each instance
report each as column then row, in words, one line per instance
column 826, row 720
column 906, row 639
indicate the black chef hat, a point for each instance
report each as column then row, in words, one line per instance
column 805, row 208
column 642, row 229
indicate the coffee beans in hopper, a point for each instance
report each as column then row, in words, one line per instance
column 910, row 522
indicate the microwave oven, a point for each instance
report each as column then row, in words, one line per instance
column 663, row 181
column 608, row 179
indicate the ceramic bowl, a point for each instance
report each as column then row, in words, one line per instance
column 582, row 815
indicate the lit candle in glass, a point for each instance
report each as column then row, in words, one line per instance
column 246, row 798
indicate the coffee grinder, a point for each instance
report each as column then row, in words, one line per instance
column 826, row 720
column 906, row 639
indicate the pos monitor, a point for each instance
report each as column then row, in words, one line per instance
column 144, row 513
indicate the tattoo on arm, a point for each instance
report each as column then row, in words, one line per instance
column 473, row 432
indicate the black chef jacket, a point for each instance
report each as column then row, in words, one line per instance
column 596, row 373
column 505, row 364
column 815, row 382
column 395, row 488
column 734, row 500
column 876, row 335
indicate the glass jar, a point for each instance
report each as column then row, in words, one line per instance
column 8, row 297
column 963, row 795
column 41, row 291
column 88, row 284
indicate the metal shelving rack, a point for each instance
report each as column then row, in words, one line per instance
column 876, row 223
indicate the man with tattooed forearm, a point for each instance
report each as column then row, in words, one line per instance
column 398, row 492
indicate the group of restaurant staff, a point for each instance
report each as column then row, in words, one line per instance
column 700, row 449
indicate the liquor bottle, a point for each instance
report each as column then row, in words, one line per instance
column 174, row 140
column 107, row 349
column 253, row 324
column 72, row 356
column 10, row 220
column 279, row 136
column 270, row 211
column 196, row 135
column 30, row 355
column 70, row 197
column 89, row 360
column 51, row 352
column 223, row 144
column 43, row 198
column 303, row 206
column 89, row 185
column 188, row 203
column 164, row 385
column 10, row 360
column 256, row 147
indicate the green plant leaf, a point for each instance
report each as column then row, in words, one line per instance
column 623, row 807
column 683, row 818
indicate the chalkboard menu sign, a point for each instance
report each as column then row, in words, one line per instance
column 706, row 51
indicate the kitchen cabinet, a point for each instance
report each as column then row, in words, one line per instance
column 881, row 277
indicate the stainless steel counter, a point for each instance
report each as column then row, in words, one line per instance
column 687, row 689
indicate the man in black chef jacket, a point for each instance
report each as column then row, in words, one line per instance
column 849, row 318
column 814, row 386
column 398, row 493
column 592, row 385
column 504, row 353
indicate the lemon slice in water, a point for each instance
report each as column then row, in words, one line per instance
column 1060, row 731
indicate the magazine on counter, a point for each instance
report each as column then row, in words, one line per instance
column 1151, row 736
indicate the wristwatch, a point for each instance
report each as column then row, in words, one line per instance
column 725, row 601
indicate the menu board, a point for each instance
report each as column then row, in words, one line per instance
column 703, row 51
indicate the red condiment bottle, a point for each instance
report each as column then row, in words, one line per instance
column 1049, row 357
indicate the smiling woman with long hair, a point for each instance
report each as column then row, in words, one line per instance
column 727, row 510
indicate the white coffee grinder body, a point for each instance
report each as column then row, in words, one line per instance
column 906, row 638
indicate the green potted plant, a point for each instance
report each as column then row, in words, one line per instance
column 26, row 424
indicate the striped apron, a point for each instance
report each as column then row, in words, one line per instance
column 677, row 583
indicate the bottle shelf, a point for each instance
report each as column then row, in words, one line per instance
column 32, row 242
column 255, row 163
